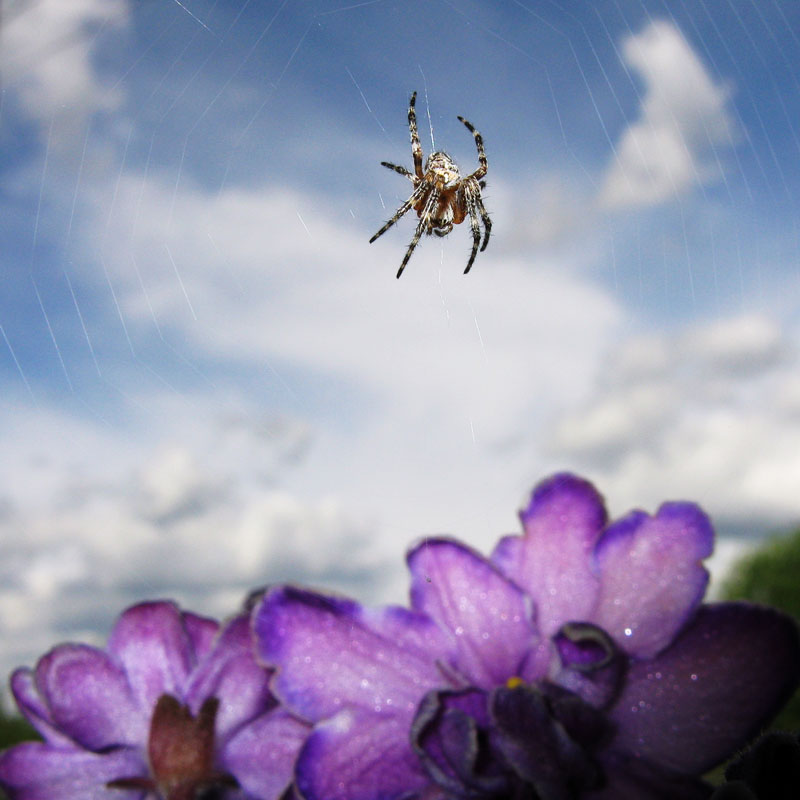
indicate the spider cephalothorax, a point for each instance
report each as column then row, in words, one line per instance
column 441, row 197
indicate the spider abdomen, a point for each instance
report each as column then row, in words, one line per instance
column 444, row 213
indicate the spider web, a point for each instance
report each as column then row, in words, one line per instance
column 212, row 381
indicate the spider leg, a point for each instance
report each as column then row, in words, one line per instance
column 487, row 222
column 424, row 224
column 474, row 225
column 484, row 163
column 416, row 147
column 402, row 170
column 404, row 209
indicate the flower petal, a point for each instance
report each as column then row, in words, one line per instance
column 202, row 632
column 330, row 653
column 262, row 754
column 725, row 675
column 89, row 698
column 37, row 771
column 33, row 707
column 232, row 674
column 153, row 646
column 451, row 739
column 651, row 578
column 540, row 748
column 359, row 756
column 590, row 665
column 487, row 616
column 552, row 560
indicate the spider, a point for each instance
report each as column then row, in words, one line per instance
column 441, row 197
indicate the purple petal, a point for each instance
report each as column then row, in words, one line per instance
column 651, row 578
column 552, row 561
column 202, row 632
column 725, row 676
column 152, row 644
column 36, row 771
column 537, row 734
column 451, row 736
column 487, row 617
column 359, row 756
column 33, row 707
column 418, row 633
column 330, row 654
column 262, row 754
column 231, row 674
column 591, row 665
column 89, row 697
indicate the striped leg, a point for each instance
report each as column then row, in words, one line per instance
column 404, row 209
column 487, row 222
column 424, row 224
column 482, row 160
column 474, row 225
column 416, row 147
column 401, row 170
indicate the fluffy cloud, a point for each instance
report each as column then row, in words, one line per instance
column 46, row 56
column 324, row 305
column 710, row 414
column 683, row 123
column 96, row 519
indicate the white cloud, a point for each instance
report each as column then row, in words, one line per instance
column 327, row 303
column 97, row 519
column 172, row 485
column 683, row 123
column 46, row 55
column 747, row 344
column 550, row 212
column 710, row 418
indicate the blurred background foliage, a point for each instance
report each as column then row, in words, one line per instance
column 13, row 729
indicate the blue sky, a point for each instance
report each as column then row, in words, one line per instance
column 211, row 380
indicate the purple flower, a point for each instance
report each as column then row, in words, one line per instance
column 175, row 708
column 576, row 662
